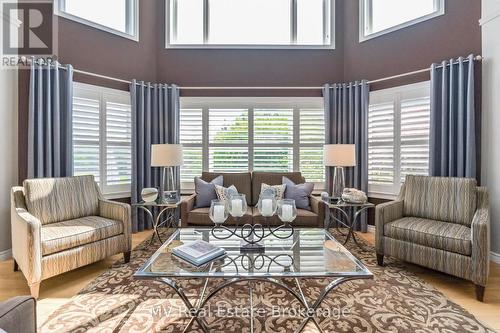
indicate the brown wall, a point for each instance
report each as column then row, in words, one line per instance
column 454, row 34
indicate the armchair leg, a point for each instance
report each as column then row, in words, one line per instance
column 480, row 293
column 380, row 259
column 126, row 257
column 35, row 290
column 16, row 266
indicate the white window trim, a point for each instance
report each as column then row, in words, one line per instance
column 382, row 96
column 109, row 192
column 329, row 26
column 58, row 5
column 250, row 103
column 363, row 20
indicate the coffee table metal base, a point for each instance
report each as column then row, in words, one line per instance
column 194, row 310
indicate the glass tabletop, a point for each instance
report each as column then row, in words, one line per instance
column 309, row 253
column 344, row 204
column 156, row 204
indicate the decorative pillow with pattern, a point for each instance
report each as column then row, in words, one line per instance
column 277, row 190
column 224, row 193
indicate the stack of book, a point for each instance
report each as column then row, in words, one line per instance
column 198, row 252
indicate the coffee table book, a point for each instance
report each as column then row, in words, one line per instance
column 198, row 252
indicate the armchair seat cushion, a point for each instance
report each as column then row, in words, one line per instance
column 65, row 235
column 446, row 236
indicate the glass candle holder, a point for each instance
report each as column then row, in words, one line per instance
column 218, row 212
column 237, row 205
column 287, row 211
column 267, row 205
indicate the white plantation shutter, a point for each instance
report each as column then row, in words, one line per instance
column 273, row 159
column 102, row 137
column 398, row 136
column 312, row 139
column 86, row 135
column 273, row 126
column 191, row 138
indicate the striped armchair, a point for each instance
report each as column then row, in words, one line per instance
column 439, row 223
column 59, row 224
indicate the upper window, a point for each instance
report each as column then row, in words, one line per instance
column 102, row 137
column 398, row 137
column 250, row 23
column 116, row 16
column 378, row 17
column 252, row 134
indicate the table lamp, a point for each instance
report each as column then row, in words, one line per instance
column 339, row 156
column 166, row 156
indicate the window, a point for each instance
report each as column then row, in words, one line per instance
column 102, row 136
column 252, row 134
column 116, row 16
column 250, row 23
column 378, row 17
column 398, row 137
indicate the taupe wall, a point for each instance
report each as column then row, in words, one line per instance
column 453, row 34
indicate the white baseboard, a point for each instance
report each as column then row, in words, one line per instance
column 371, row 229
column 4, row 255
column 495, row 257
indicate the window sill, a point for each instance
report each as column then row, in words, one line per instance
column 382, row 195
column 117, row 195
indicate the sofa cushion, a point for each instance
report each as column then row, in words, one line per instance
column 61, row 199
column 65, row 235
column 445, row 236
column 199, row 216
column 271, row 178
column 439, row 198
column 304, row 218
column 205, row 191
column 242, row 181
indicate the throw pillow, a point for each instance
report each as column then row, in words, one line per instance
column 205, row 192
column 277, row 190
column 298, row 192
column 224, row 193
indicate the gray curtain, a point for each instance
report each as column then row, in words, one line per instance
column 155, row 120
column 453, row 123
column 50, row 139
column 346, row 122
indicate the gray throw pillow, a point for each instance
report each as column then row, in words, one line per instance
column 205, row 192
column 298, row 192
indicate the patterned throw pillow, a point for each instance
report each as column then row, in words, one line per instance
column 224, row 193
column 277, row 190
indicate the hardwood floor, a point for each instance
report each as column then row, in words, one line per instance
column 56, row 291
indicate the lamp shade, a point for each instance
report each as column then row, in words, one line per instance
column 340, row 155
column 166, row 155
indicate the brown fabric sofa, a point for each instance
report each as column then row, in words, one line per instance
column 249, row 184
column 18, row 315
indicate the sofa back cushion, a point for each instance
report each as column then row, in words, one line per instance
column 242, row 181
column 271, row 178
column 439, row 198
column 59, row 199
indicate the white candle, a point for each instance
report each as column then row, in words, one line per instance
column 287, row 212
column 267, row 207
column 237, row 208
column 219, row 214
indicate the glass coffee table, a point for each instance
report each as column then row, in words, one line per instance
column 307, row 254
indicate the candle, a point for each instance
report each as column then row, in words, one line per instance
column 287, row 212
column 237, row 209
column 219, row 214
column 267, row 207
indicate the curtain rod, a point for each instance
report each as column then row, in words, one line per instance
column 424, row 70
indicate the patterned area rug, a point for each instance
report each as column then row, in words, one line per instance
column 395, row 301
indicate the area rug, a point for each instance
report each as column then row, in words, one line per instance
column 394, row 301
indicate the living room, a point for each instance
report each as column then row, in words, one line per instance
column 249, row 166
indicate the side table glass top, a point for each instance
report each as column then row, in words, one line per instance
column 309, row 253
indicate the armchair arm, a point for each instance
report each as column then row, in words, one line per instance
column 26, row 238
column 187, row 205
column 318, row 207
column 118, row 211
column 480, row 230
column 385, row 213
column 18, row 314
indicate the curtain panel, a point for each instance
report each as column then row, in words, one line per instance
column 453, row 122
column 50, row 137
column 346, row 122
column 155, row 120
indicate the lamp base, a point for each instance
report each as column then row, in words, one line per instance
column 338, row 182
